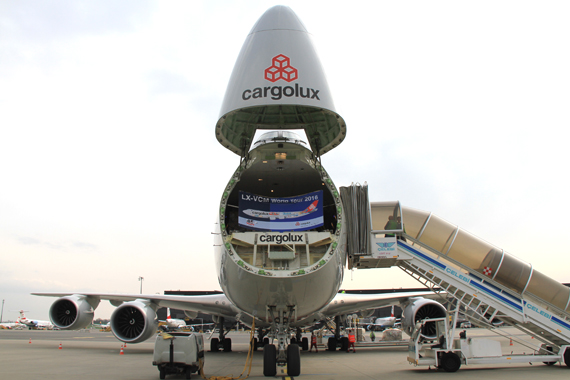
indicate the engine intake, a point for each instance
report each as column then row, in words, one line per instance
column 420, row 309
column 73, row 312
column 134, row 321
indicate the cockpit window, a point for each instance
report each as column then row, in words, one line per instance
column 279, row 136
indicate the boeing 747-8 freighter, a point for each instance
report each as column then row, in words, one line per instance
column 280, row 238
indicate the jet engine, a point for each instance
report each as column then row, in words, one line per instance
column 134, row 321
column 419, row 309
column 191, row 314
column 73, row 312
column 367, row 313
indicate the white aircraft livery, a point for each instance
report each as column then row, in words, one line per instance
column 279, row 278
column 282, row 215
column 33, row 323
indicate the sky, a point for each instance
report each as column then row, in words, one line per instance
column 110, row 170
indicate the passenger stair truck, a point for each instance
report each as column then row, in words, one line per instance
column 488, row 285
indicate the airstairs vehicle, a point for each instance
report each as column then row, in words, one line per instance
column 488, row 285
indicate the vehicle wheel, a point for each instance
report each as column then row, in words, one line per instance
column 305, row 344
column 567, row 357
column 162, row 373
column 265, row 341
column 331, row 344
column 549, row 348
column 344, row 343
column 449, row 362
column 293, row 360
column 214, row 344
column 254, row 344
column 227, row 343
column 293, row 340
column 269, row 360
column 188, row 372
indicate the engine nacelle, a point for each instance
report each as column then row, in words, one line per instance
column 367, row 313
column 191, row 314
column 134, row 321
column 419, row 309
column 73, row 312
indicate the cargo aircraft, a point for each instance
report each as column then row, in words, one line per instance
column 279, row 275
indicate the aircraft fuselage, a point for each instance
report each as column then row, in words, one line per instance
column 263, row 265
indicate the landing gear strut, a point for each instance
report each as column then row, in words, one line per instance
column 221, row 342
column 260, row 341
column 283, row 353
column 337, row 340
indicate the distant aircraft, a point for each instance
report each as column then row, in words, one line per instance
column 383, row 323
column 34, row 323
column 277, row 84
column 11, row 325
column 104, row 327
column 173, row 323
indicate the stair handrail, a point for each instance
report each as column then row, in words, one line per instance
column 547, row 305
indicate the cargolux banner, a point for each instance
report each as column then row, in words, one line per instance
column 302, row 212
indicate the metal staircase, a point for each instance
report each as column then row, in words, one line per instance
column 483, row 303
column 495, row 287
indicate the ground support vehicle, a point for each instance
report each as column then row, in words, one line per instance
column 178, row 353
column 449, row 354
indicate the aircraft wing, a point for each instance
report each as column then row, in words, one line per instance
column 216, row 304
column 345, row 303
column 219, row 304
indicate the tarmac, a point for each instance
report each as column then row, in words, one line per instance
column 91, row 354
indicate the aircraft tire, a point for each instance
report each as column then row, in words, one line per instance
column 265, row 341
column 214, row 345
column 227, row 345
column 293, row 360
column 331, row 344
column 344, row 343
column 305, row 343
column 269, row 360
column 450, row 362
column 254, row 344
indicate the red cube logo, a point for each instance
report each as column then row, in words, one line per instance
column 281, row 69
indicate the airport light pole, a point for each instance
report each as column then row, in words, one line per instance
column 2, row 315
column 141, row 278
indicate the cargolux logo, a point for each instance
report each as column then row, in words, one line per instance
column 281, row 69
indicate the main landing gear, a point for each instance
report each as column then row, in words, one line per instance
column 337, row 340
column 283, row 353
column 221, row 342
column 303, row 342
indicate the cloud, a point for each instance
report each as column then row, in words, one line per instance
column 168, row 82
column 44, row 22
column 85, row 246
column 68, row 246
